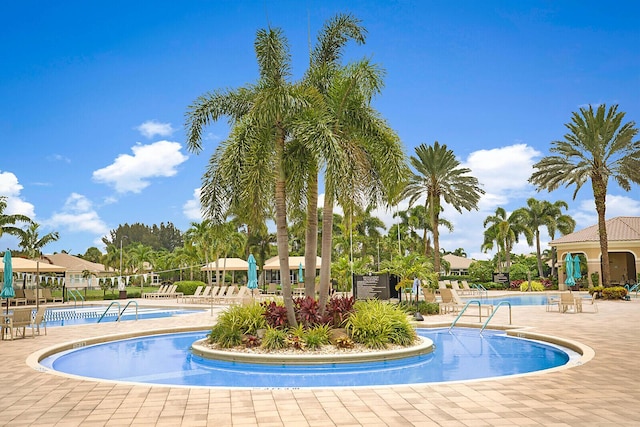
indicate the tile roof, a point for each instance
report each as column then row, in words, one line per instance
column 74, row 263
column 621, row 228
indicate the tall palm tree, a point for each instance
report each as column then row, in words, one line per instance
column 32, row 243
column 439, row 178
column 7, row 222
column 557, row 221
column 248, row 169
column 597, row 147
column 505, row 231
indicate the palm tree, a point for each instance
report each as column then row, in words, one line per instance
column 32, row 243
column 597, row 147
column 505, row 231
column 539, row 214
column 438, row 178
column 247, row 171
column 557, row 221
column 140, row 255
column 7, row 222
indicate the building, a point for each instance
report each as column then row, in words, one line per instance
column 458, row 266
column 623, row 234
column 76, row 270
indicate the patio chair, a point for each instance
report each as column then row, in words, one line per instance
column 582, row 303
column 448, row 305
column 231, row 290
column 466, row 289
column 553, row 300
column 39, row 320
column 567, row 300
column 155, row 293
column 238, row 297
column 20, row 319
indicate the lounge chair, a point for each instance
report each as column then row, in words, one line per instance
column 46, row 294
column 272, row 289
column 30, row 295
column 581, row 303
column 209, row 294
column 19, row 298
column 447, row 305
column 20, row 319
column 429, row 296
column 195, row 295
column 222, row 297
column 466, row 289
column 39, row 320
column 154, row 294
column 238, row 297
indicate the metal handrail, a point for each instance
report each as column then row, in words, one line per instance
column 494, row 312
column 125, row 307
column 481, row 289
column 108, row 307
column 73, row 293
column 473, row 301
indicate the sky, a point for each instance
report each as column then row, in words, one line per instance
column 93, row 97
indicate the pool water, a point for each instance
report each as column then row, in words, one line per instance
column 463, row 354
column 91, row 314
column 512, row 299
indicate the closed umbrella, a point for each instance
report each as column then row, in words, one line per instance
column 569, row 281
column 252, row 274
column 576, row 267
column 7, row 288
column 300, row 275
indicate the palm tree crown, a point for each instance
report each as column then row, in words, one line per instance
column 438, row 178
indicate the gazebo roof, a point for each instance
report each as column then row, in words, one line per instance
column 457, row 262
column 621, row 228
column 229, row 264
column 294, row 262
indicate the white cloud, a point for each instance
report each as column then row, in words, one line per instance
column 191, row 208
column 78, row 215
column 11, row 188
column 131, row 173
column 152, row 128
column 58, row 158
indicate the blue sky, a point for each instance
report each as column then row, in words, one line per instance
column 93, row 97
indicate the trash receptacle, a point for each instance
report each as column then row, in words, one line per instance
column 123, row 295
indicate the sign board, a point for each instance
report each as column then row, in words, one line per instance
column 502, row 278
column 372, row 286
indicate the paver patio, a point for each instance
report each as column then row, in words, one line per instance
column 602, row 392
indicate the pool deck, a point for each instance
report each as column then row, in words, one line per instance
column 603, row 392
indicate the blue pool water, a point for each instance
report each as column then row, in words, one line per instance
column 512, row 299
column 91, row 314
column 463, row 354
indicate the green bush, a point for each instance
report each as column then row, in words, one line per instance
column 376, row 324
column 235, row 322
column 595, row 279
column 274, row 339
column 481, row 271
column 519, row 272
column 316, row 337
column 614, row 292
column 536, row 286
column 188, row 287
column 424, row 308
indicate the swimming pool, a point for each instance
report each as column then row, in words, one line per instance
column 166, row 359
column 91, row 314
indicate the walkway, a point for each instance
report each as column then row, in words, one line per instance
column 603, row 392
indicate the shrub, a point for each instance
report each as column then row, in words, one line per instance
column 316, row 337
column 376, row 324
column 481, row 271
column 536, row 286
column 519, row 271
column 188, row 287
column 595, row 279
column 614, row 292
column 339, row 310
column 274, row 339
column 425, row 308
column 275, row 315
column 307, row 311
column 236, row 322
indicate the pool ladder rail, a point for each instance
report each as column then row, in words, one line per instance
column 74, row 293
column 120, row 312
column 480, row 313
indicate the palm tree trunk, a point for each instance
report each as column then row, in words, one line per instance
column 327, row 237
column 281, row 229
column 435, row 213
column 599, row 195
column 539, row 255
column 311, row 234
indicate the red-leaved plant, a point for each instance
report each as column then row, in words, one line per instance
column 275, row 315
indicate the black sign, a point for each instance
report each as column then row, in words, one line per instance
column 372, row 286
column 501, row 278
